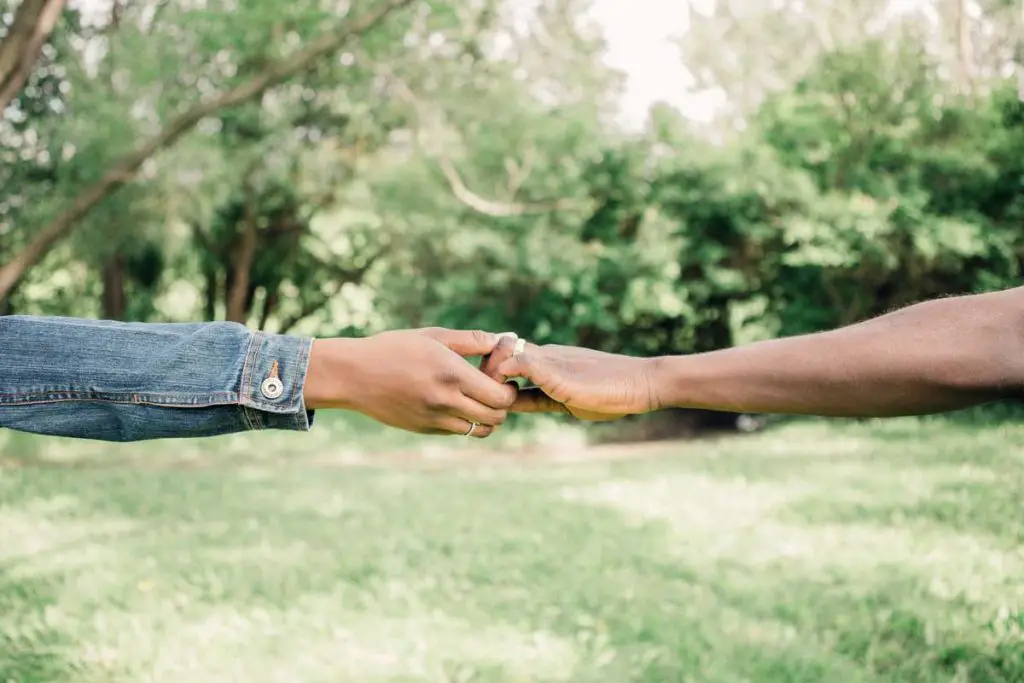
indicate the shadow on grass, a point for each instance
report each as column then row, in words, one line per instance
column 338, row 439
column 33, row 648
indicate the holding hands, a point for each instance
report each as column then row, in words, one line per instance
column 204, row 379
column 422, row 381
column 587, row 384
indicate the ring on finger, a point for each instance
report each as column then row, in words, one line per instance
column 472, row 428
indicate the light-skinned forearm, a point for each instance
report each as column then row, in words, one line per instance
column 932, row 357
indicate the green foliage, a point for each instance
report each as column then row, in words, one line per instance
column 864, row 180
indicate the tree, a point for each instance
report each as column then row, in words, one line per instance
column 32, row 24
column 124, row 168
column 751, row 49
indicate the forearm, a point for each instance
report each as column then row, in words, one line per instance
column 135, row 381
column 932, row 357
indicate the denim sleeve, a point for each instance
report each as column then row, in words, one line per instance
column 112, row 381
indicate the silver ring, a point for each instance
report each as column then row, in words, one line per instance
column 472, row 428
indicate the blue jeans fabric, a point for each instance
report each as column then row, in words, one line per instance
column 113, row 381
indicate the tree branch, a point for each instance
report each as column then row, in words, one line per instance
column 487, row 206
column 275, row 72
column 33, row 22
column 519, row 172
column 343, row 277
column 309, row 308
column 353, row 275
column 965, row 46
column 458, row 187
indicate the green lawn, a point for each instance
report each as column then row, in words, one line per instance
column 813, row 552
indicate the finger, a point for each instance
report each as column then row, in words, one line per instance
column 503, row 351
column 456, row 426
column 474, row 411
column 525, row 365
column 466, row 342
column 481, row 388
column 536, row 401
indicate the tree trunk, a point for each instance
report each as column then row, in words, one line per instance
column 124, row 169
column 965, row 46
column 115, row 301
column 6, row 307
column 245, row 253
column 212, row 290
column 33, row 22
column 269, row 304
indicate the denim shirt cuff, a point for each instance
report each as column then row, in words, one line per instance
column 273, row 379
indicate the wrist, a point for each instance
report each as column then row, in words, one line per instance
column 656, row 370
column 332, row 378
column 674, row 382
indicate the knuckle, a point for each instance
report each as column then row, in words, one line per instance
column 505, row 346
column 435, row 400
column 447, row 376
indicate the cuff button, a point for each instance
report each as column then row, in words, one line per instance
column 272, row 388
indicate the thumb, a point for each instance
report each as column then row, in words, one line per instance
column 499, row 354
column 522, row 365
column 467, row 342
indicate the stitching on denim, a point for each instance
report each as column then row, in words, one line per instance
column 299, row 371
column 244, row 390
column 305, row 353
column 251, row 357
column 170, row 399
column 226, row 395
column 252, row 417
column 40, row 402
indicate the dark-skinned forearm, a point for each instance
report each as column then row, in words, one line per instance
column 931, row 357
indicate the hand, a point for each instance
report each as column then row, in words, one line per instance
column 416, row 380
column 590, row 385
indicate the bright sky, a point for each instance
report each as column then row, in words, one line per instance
column 642, row 40
column 640, row 36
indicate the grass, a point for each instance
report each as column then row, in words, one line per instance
column 814, row 552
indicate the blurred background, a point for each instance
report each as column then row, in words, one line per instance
column 647, row 177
